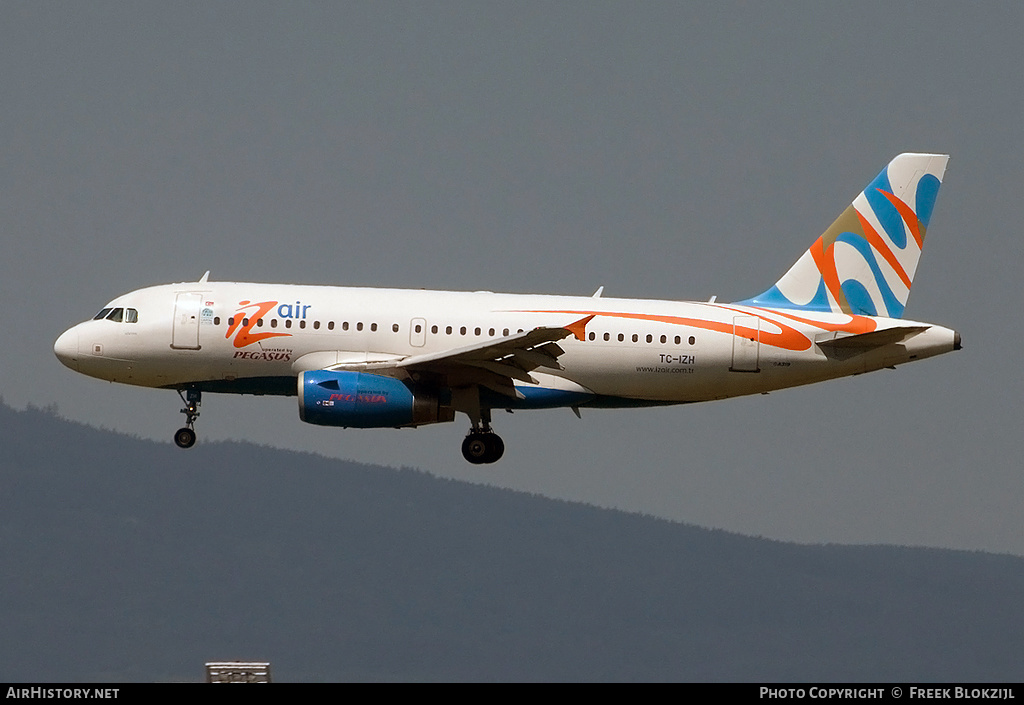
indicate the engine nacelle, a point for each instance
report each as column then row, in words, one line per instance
column 364, row 400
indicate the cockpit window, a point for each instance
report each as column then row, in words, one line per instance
column 116, row 315
column 101, row 315
column 131, row 315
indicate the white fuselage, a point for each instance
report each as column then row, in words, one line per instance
column 257, row 338
column 377, row 358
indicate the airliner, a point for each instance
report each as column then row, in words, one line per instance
column 394, row 358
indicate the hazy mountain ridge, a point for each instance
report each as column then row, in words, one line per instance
column 129, row 559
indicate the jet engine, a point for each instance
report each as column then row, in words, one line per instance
column 364, row 400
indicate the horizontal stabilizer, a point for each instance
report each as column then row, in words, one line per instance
column 866, row 341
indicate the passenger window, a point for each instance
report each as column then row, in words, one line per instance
column 678, row 340
column 462, row 330
column 505, row 332
column 117, row 315
column 692, row 340
column 635, row 337
column 302, row 324
column 359, row 326
column 663, row 339
column 476, row 331
column 621, row 337
column 344, row 326
column 101, row 315
column 273, row 323
column 259, row 322
column 287, row 323
column 650, row 338
column 373, row 327
column 607, row 336
column 316, row 325
column 216, row 320
column 330, row 325
column 394, row 328
column 593, row 335
column 433, row 329
column 131, row 315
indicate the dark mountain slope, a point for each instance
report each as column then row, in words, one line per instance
column 126, row 559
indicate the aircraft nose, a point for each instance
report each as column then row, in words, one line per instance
column 66, row 348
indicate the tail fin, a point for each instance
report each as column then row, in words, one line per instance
column 865, row 262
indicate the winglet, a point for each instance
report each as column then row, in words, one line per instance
column 579, row 328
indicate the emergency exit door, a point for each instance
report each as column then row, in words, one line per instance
column 746, row 343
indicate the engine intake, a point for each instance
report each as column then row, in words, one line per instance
column 364, row 400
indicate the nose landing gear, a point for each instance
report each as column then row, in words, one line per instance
column 186, row 437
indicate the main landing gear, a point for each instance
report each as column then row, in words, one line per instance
column 482, row 445
column 186, row 437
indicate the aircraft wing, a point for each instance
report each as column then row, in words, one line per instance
column 494, row 363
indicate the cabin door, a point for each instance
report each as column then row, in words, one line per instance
column 185, row 333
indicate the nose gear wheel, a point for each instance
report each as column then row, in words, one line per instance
column 186, row 437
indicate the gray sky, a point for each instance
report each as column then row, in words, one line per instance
column 663, row 150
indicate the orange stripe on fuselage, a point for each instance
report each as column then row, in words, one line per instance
column 856, row 325
column 788, row 339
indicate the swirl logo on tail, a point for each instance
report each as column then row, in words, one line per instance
column 864, row 264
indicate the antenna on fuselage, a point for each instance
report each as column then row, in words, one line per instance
column 597, row 294
column 202, row 279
